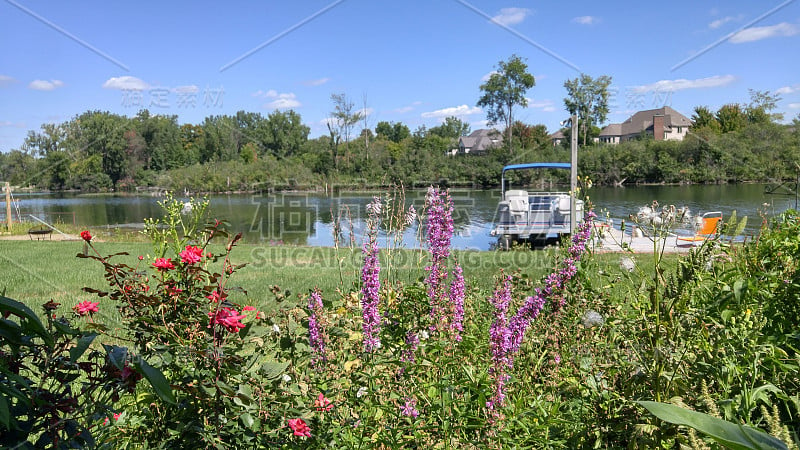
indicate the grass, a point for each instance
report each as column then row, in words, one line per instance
column 38, row 271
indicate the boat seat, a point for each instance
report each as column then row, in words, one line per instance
column 515, row 193
column 517, row 201
column 518, row 205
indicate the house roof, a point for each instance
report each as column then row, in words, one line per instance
column 481, row 140
column 614, row 129
column 643, row 120
column 558, row 135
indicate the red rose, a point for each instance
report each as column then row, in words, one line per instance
column 163, row 264
column 86, row 235
column 191, row 255
column 86, row 307
column 300, row 427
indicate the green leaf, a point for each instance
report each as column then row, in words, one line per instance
column 433, row 392
column 29, row 318
column 5, row 415
column 224, row 387
column 157, row 380
column 10, row 332
column 65, row 329
column 116, row 355
column 726, row 315
column 273, row 369
column 80, row 348
column 245, row 393
column 738, row 288
column 247, row 420
column 731, row 435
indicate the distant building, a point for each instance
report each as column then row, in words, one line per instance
column 557, row 138
column 479, row 142
column 663, row 124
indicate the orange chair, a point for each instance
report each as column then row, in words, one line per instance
column 708, row 229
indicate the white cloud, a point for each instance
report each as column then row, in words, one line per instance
column 317, row 82
column 788, row 89
column 286, row 102
column 6, row 80
column 539, row 103
column 328, row 120
column 44, row 85
column 758, row 33
column 544, row 105
column 366, row 111
column 265, row 94
column 586, row 20
column 682, row 84
column 720, row 22
column 511, row 16
column 9, row 124
column 479, row 124
column 457, row 111
column 126, row 82
column 409, row 108
column 279, row 100
column 794, row 105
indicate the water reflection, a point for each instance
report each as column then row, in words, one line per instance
column 312, row 219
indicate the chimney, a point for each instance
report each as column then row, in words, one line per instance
column 658, row 127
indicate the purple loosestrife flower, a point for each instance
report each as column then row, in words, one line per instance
column 554, row 285
column 409, row 409
column 370, row 276
column 457, row 290
column 500, row 345
column 519, row 324
column 316, row 334
column 412, row 342
column 439, row 233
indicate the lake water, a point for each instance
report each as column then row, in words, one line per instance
column 308, row 218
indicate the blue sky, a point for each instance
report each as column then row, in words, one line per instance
column 414, row 61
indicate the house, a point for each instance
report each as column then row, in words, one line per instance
column 557, row 138
column 479, row 142
column 663, row 124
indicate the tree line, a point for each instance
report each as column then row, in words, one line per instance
column 247, row 151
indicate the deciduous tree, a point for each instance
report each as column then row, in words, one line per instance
column 762, row 103
column 505, row 89
column 588, row 98
column 394, row 131
column 731, row 117
column 452, row 128
column 703, row 117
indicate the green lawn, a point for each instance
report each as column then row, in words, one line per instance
column 34, row 272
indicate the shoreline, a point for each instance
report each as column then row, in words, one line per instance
column 156, row 191
column 613, row 241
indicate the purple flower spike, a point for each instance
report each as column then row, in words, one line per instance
column 440, row 231
column 370, row 276
column 316, row 334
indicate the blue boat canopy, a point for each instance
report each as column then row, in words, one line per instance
column 546, row 165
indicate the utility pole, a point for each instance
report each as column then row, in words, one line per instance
column 573, row 174
column 8, row 205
